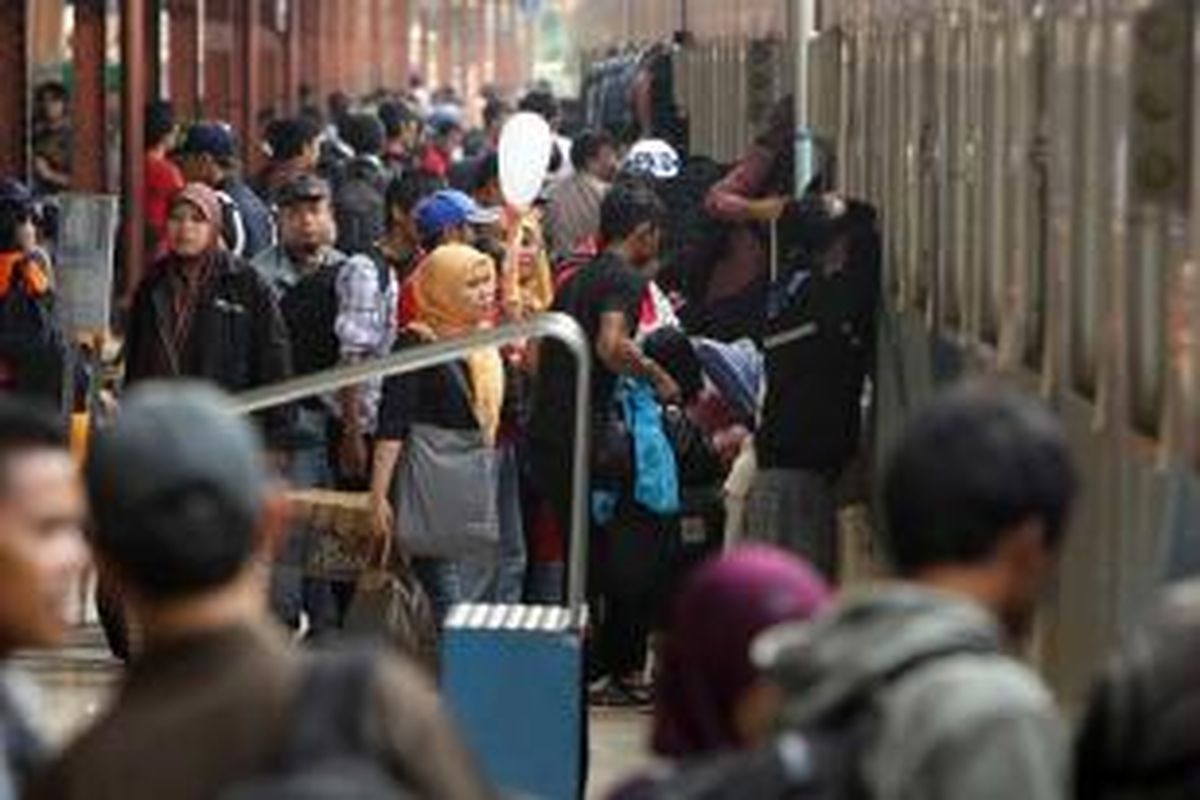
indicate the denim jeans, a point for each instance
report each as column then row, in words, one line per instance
column 308, row 469
column 292, row 593
column 545, row 586
column 501, row 580
column 484, row 580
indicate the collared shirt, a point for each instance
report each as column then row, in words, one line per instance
column 573, row 212
column 366, row 322
column 366, row 315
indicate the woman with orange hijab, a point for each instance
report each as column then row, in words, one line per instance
column 455, row 292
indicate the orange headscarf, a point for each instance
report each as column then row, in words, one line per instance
column 19, row 264
column 438, row 286
column 535, row 280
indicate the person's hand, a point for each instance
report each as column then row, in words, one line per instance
column 352, row 455
column 668, row 390
column 768, row 209
column 383, row 518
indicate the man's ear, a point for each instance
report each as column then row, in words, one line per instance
column 1025, row 548
column 273, row 523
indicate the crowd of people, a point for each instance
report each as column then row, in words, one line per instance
column 381, row 226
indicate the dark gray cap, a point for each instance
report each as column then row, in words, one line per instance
column 170, row 438
column 303, row 188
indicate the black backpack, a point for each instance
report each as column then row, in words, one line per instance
column 310, row 310
column 331, row 751
column 32, row 344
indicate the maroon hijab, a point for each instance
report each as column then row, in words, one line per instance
column 706, row 657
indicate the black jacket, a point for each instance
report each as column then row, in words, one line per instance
column 1139, row 735
column 237, row 339
column 819, row 349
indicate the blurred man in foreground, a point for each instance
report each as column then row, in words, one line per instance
column 42, row 553
column 186, row 518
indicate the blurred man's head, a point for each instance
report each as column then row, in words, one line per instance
column 19, row 217
column 447, row 217
column 51, row 99
column 401, row 124
column 364, row 134
column 446, row 129
column 402, row 196
column 338, row 106
column 631, row 219
column 485, row 186
column 161, row 130
column 544, row 104
column 977, row 497
column 182, row 503
column 42, row 514
column 306, row 223
column 595, row 153
column 208, row 153
column 495, row 114
column 297, row 139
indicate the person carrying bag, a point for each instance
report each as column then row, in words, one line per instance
column 435, row 484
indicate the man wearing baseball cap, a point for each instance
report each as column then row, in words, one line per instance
column 446, row 217
column 339, row 310
column 208, row 154
column 185, row 515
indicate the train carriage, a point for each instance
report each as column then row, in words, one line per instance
column 1036, row 167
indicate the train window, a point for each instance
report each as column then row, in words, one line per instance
column 1092, row 210
column 926, row 155
column 992, row 221
column 948, row 121
column 959, row 150
column 1032, row 199
column 1153, row 248
column 973, row 177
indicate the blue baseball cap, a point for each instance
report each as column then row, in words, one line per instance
column 209, row 138
column 448, row 208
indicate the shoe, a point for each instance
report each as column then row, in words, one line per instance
column 611, row 693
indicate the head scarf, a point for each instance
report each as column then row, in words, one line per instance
column 190, row 276
column 438, row 286
column 205, row 200
column 706, row 667
column 535, row 284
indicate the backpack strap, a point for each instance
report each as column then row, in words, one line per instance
column 331, row 708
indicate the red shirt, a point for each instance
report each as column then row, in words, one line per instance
column 435, row 162
column 163, row 180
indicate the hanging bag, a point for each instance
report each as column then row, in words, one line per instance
column 389, row 602
column 447, row 494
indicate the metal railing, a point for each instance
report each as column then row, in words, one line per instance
column 553, row 326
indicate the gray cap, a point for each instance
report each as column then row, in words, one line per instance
column 303, row 188
column 171, row 437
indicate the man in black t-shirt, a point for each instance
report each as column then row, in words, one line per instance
column 605, row 298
